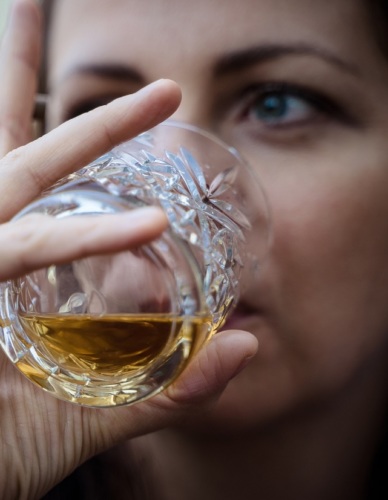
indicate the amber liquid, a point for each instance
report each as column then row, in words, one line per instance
column 113, row 344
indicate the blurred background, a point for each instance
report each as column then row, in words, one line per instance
column 4, row 5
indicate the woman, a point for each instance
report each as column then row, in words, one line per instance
column 300, row 88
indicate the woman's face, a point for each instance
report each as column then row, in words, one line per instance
column 301, row 89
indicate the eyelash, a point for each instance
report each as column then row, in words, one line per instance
column 320, row 104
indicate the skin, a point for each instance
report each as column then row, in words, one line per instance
column 304, row 417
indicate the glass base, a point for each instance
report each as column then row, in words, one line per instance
column 73, row 373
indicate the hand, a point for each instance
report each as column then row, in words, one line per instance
column 43, row 439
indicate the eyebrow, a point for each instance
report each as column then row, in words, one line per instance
column 262, row 53
column 120, row 72
column 227, row 63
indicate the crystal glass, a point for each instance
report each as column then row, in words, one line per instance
column 113, row 330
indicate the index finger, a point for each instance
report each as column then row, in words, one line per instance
column 36, row 241
column 25, row 172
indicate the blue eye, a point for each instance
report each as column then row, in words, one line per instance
column 280, row 108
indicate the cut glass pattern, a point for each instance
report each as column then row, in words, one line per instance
column 197, row 209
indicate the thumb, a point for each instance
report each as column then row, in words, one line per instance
column 208, row 374
column 194, row 392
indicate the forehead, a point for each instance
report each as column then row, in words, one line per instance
column 169, row 32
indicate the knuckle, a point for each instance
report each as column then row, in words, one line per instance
column 30, row 232
column 17, row 160
column 11, row 157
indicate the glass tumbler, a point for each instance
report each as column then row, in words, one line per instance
column 111, row 330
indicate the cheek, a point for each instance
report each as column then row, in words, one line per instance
column 329, row 268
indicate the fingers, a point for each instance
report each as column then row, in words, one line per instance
column 19, row 63
column 37, row 241
column 74, row 144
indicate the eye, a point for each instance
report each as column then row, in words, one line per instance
column 277, row 108
column 282, row 106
